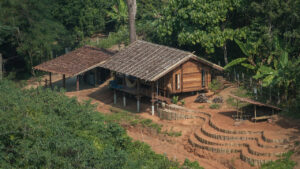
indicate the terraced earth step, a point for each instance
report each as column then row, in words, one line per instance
column 212, row 132
column 245, row 155
column 230, row 131
column 255, row 160
column 252, row 146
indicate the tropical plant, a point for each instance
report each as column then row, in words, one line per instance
column 118, row 14
column 175, row 99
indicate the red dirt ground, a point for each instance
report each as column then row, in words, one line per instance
column 178, row 147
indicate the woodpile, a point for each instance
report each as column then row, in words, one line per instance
column 218, row 99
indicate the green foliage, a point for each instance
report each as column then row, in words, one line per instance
column 191, row 165
column 215, row 85
column 114, row 38
column 182, row 102
column 283, row 163
column 175, row 99
column 118, row 14
column 201, row 107
column 128, row 118
column 214, row 106
column 46, row 129
column 198, row 23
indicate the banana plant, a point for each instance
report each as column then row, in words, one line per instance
column 119, row 13
column 283, row 73
column 250, row 50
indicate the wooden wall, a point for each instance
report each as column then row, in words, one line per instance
column 190, row 74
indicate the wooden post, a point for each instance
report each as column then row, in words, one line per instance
column 152, row 98
column 1, row 67
column 124, row 96
column 138, row 96
column 115, row 96
column 95, row 77
column 64, row 81
column 77, row 83
column 255, row 113
column 50, row 79
column 237, row 108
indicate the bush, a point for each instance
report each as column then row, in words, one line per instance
column 175, row 99
column 215, row 106
column 283, row 163
column 215, row 85
column 182, row 102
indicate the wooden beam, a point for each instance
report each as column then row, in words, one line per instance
column 64, row 81
column 77, row 83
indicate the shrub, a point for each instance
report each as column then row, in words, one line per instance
column 182, row 102
column 175, row 99
column 46, row 129
column 283, row 163
column 215, row 85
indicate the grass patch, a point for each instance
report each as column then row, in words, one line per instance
column 215, row 106
column 124, row 117
column 242, row 92
column 283, row 163
column 201, row 107
column 172, row 133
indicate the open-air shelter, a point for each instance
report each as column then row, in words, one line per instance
column 75, row 63
column 255, row 104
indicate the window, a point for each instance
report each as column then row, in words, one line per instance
column 203, row 78
column 177, row 81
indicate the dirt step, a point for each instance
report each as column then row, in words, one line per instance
column 211, row 132
column 245, row 155
column 228, row 131
column 255, row 160
column 252, row 146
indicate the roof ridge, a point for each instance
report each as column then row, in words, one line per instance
column 173, row 48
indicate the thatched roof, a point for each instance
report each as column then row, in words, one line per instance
column 242, row 99
column 148, row 61
column 76, row 62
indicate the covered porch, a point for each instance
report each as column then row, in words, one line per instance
column 81, row 64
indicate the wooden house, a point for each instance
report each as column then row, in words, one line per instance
column 158, row 71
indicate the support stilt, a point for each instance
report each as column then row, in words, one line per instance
column 152, row 99
column 138, row 104
column 255, row 112
column 64, row 81
column 115, row 97
column 77, row 83
column 124, row 99
column 50, row 79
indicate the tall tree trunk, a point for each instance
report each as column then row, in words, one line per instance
column 1, row 69
column 225, row 53
column 131, row 4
